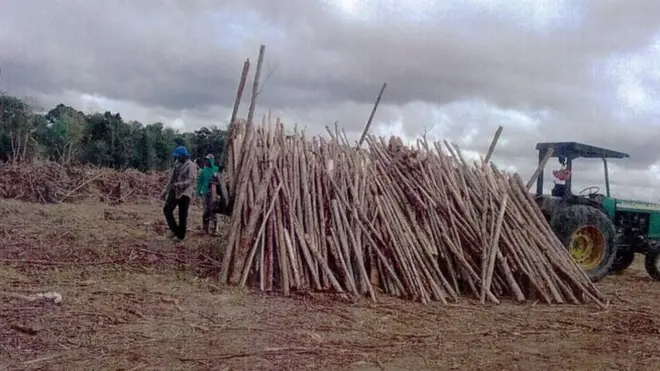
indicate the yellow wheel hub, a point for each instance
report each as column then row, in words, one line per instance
column 587, row 247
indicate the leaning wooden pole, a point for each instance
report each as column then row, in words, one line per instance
column 493, row 143
column 371, row 117
column 255, row 92
column 223, row 157
column 539, row 168
column 234, row 113
column 241, row 176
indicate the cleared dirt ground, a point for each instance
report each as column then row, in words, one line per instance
column 133, row 301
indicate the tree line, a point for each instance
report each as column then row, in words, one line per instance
column 69, row 136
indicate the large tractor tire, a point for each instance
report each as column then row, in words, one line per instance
column 652, row 265
column 623, row 260
column 589, row 236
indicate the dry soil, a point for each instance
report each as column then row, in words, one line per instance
column 132, row 300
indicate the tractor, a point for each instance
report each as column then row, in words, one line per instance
column 601, row 233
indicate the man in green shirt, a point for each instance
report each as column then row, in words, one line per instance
column 205, row 190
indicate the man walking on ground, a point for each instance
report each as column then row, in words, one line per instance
column 178, row 193
column 205, row 191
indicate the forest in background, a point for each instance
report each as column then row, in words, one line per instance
column 69, row 136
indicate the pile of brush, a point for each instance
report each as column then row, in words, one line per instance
column 422, row 224
column 51, row 182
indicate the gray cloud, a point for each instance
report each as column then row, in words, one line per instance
column 177, row 58
column 458, row 71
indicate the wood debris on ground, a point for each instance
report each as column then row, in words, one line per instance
column 51, row 182
column 421, row 223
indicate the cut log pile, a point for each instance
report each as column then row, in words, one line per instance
column 421, row 223
column 50, row 182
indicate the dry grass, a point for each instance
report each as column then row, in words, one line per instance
column 134, row 301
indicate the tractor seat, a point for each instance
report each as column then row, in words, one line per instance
column 559, row 190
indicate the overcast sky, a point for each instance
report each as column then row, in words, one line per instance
column 547, row 70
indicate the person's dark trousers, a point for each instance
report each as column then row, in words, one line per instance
column 172, row 203
column 208, row 217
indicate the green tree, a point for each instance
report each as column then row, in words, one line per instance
column 69, row 136
column 62, row 136
column 17, row 126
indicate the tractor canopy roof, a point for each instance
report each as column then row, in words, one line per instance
column 575, row 150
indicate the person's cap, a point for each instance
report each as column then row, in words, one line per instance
column 209, row 156
column 181, row 151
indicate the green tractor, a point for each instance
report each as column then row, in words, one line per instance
column 601, row 233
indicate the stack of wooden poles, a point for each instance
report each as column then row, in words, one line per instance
column 420, row 223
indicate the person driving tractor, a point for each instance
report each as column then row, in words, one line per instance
column 563, row 175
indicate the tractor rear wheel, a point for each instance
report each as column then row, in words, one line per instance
column 623, row 260
column 589, row 236
column 652, row 265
